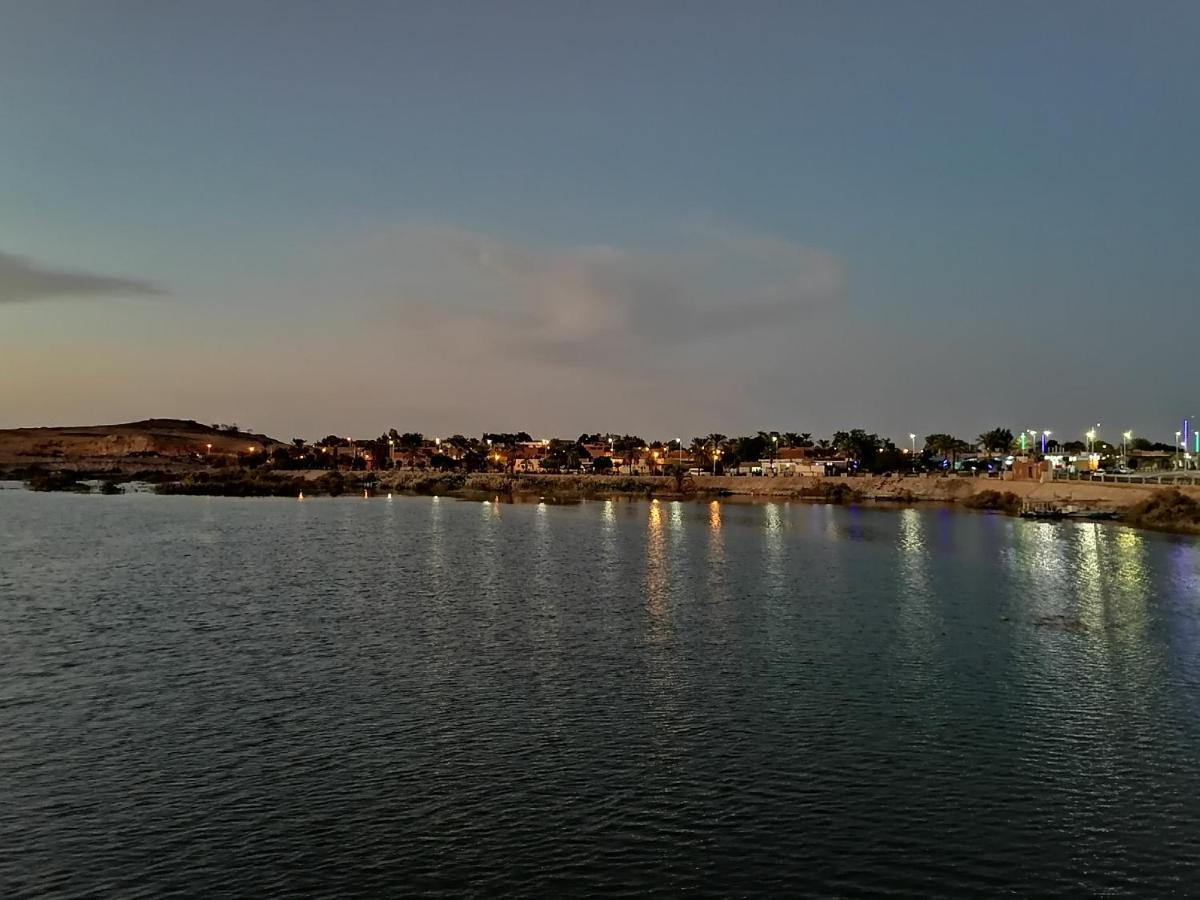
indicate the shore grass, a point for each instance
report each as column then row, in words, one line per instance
column 1166, row 510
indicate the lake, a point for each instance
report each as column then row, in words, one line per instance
column 426, row 696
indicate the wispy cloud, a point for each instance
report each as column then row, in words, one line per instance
column 584, row 305
column 22, row 280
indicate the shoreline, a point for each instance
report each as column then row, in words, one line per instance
column 1153, row 507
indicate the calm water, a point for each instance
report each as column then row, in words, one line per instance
column 213, row 697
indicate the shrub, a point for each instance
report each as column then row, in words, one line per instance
column 994, row 500
column 1168, row 508
column 57, row 481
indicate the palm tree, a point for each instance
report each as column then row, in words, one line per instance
column 998, row 440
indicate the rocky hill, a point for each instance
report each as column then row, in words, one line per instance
column 151, row 443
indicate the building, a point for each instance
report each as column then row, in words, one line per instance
column 789, row 461
column 527, row 456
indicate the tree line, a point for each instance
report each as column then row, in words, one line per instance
column 861, row 448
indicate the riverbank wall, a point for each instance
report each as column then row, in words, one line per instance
column 938, row 489
column 895, row 489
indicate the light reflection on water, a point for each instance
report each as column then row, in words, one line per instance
column 656, row 578
column 616, row 698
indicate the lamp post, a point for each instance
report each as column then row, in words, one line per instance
column 912, row 437
column 1033, row 436
column 1126, row 437
column 680, row 441
column 1045, row 435
column 1178, row 435
column 774, row 451
column 1091, row 436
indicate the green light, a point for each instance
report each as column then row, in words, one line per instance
column 1022, row 440
column 1197, row 436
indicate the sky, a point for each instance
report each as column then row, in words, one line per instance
column 661, row 218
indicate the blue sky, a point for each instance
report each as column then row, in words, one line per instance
column 654, row 217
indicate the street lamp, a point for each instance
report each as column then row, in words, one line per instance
column 1126, row 437
column 1033, row 436
column 912, row 437
column 1091, row 436
column 1045, row 435
column 1178, row 436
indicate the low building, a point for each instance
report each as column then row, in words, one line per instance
column 788, row 461
column 1030, row 469
column 528, row 456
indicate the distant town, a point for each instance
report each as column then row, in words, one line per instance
column 765, row 453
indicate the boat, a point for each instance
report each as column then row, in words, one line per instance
column 1042, row 511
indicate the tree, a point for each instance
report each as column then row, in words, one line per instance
column 749, row 449
column 602, row 465
column 858, row 445
column 562, row 454
column 796, row 439
column 945, row 446
column 998, row 440
column 442, row 462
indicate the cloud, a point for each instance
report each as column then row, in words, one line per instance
column 23, row 280
column 594, row 305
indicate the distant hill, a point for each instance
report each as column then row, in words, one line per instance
column 146, row 442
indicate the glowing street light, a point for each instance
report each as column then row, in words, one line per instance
column 1126, row 437
column 1045, row 435
column 912, row 437
column 1091, row 436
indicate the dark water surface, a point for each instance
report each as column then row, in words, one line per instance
column 214, row 697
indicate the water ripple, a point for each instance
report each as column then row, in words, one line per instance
column 232, row 698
